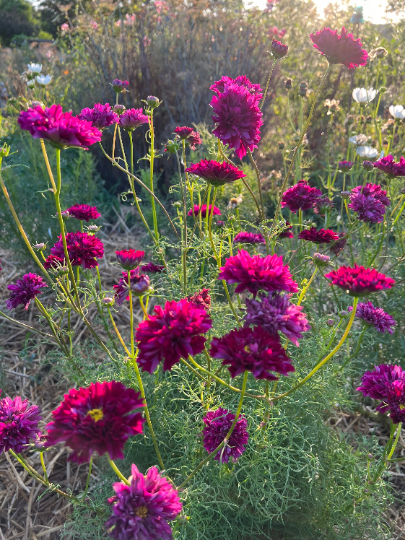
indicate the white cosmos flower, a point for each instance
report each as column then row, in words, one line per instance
column 43, row 80
column 367, row 151
column 35, row 68
column 362, row 95
column 360, row 139
column 397, row 111
column 30, row 84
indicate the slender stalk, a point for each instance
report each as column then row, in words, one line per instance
column 151, row 161
column 328, row 357
column 399, row 214
column 225, row 441
column 41, row 457
column 131, row 315
column 307, row 286
column 88, row 478
column 268, row 82
column 145, row 313
column 117, row 471
column 118, row 333
column 30, row 328
column 259, row 185
column 395, row 442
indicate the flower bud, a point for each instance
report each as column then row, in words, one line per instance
column 220, row 223
column 62, row 271
column 40, row 441
column 35, row 104
column 288, row 84
column 330, row 322
column 281, row 145
column 141, row 286
column 278, row 50
column 120, row 86
column 345, row 194
column 65, row 214
column 370, row 456
column 108, row 301
column 379, row 52
column 4, row 150
column 302, row 91
column 152, row 102
column 320, row 260
column 403, row 190
column 39, row 247
column 343, row 314
column 177, row 204
column 172, row 146
column 119, row 109
column 345, row 166
column 368, row 165
column 382, row 90
column 369, row 119
column 92, row 229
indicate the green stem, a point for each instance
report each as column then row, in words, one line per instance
column 259, row 185
column 29, row 328
column 41, row 457
column 399, row 213
column 307, row 286
column 268, row 82
column 328, row 357
column 88, row 478
column 225, row 441
column 117, row 471
column 151, row 158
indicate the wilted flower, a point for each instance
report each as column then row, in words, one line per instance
column 84, row 212
column 379, row 52
column 332, row 104
column 340, row 49
column 18, row 424
column 287, row 232
column 249, row 238
column 254, row 350
column 278, row 50
column 235, row 202
column 131, row 119
column 100, row 116
column 139, row 285
column 24, row 290
column 397, row 111
column 388, row 166
column 255, row 273
column 322, row 205
column 359, row 140
column 323, row 236
column 217, row 425
column 174, row 332
column 288, row 84
column 375, row 316
column 337, row 247
column 217, row 174
column 368, row 165
column 83, row 249
column 99, row 418
column 129, row 258
column 303, row 88
column 201, row 299
column 142, row 509
column 359, row 281
column 53, row 262
column 362, row 95
column 300, row 197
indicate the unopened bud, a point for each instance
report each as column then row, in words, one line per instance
column 278, row 50
column 288, row 84
column 370, row 456
column 220, row 223
column 108, row 301
column 4, row 150
column 368, row 165
column 320, row 260
column 152, row 102
column 65, row 214
column 39, row 247
column 62, row 271
column 177, row 204
column 141, row 286
column 35, row 104
column 92, row 229
column 382, row 90
column 345, row 194
column 119, row 109
column 281, row 145
column 330, row 322
column 120, row 86
column 302, row 91
column 343, row 314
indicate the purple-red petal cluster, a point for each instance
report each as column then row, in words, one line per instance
column 217, row 425
column 18, row 424
column 359, row 281
column 321, row 236
column 24, row 290
column 83, row 249
column 217, row 174
column 300, row 197
column 340, row 48
column 84, row 212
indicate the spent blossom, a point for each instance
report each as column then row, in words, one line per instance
column 217, row 425
column 278, row 49
column 340, row 48
column 24, row 290
column 201, row 299
column 375, row 316
column 152, row 268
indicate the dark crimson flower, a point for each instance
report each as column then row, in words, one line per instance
column 53, row 262
column 18, row 424
column 174, row 332
column 345, row 166
column 375, row 316
column 24, row 290
column 275, row 313
column 201, row 299
column 99, row 418
column 252, row 349
column 255, row 273
column 129, row 258
column 322, row 205
column 287, row 232
column 142, row 509
column 139, row 285
column 387, row 383
column 249, row 238
column 217, row 174
column 152, row 268
column 84, row 249
column 388, row 166
column 323, row 236
column 62, row 130
column 187, row 134
column 278, row 50
column 337, row 247
column 369, row 202
column 100, row 116
column 84, row 212
column 120, row 86
column 217, row 425
column 359, row 281
column 340, row 49
column 196, row 210
column 132, row 119
column 238, row 118
column 301, row 196
column 220, row 86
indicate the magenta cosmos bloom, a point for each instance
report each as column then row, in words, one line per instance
column 139, row 285
column 142, row 509
column 84, row 212
column 375, row 316
column 249, row 238
column 369, row 202
column 359, row 281
column 152, row 268
column 18, row 424
column 100, row 116
column 24, row 290
column 255, row 273
column 129, row 258
column 323, row 236
column 62, row 130
column 174, row 332
column 300, row 197
column 120, row 86
column 187, row 134
column 278, row 50
column 275, row 313
column 217, row 174
column 217, row 425
column 238, row 118
column 252, row 349
column 201, row 299
column 340, row 49
column 53, row 262
column 345, row 166
column 220, row 86
column 84, row 249
column 196, row 210
column 99, row 418
column 386, row 383
column 132, row 119
column 388, row 166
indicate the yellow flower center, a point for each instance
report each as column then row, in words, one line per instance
column 96, row 414
column 247, row 349
column 142, row 511
column 402, row 407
